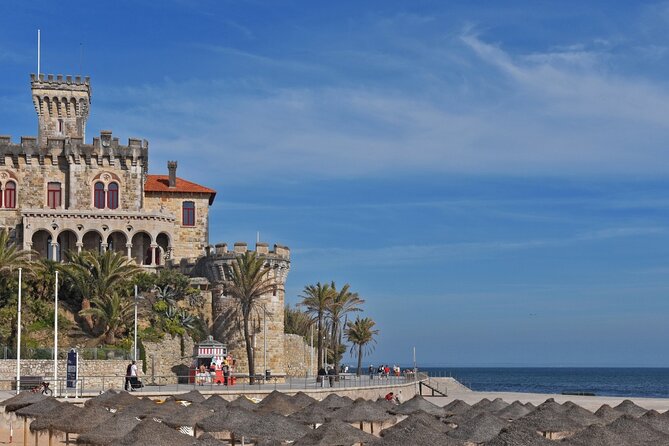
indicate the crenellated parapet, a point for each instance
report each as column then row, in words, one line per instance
column 104, row 148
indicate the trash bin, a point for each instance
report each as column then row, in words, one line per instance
column 268, row 374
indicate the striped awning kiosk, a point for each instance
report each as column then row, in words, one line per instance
column 211, row 349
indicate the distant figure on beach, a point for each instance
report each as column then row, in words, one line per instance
column 321, row 376
column 331, row 376
column 389, row 396
column 371, row 372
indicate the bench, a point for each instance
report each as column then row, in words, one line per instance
column 28, row 382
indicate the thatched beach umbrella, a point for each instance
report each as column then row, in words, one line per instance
column 482, row 404
column 44, row 422
column 97, row 401
column 271, row 426
column 192, row 397
column 419, row 417
column 462, row 418
column 363, row 411
column 334, row 401
column 142, row 407
column 313, row 414
column 513, row 411
column 114, row 401
column 21, row 400
column 81, row 421
column 243, row 403
column 515, row 435
column 496, row 405
column 186, row 418
column 418, row 403
column 628, row 407
column 226, row 422
column 34, row 410
column 152, row 433
column 551, row 421
column 277, row 402
column 580, row 415
column 484, row 427
column 607, row 414
column 335, row 433
column 302, row 400
column 109, row 431
column 414, row 430
column 215, row 402
column 596, row 435
column 457, row 407
column 656, row 421
column 637, row 432
column 207, row 439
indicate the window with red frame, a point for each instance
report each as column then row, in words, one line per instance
column 112, row 196
column 188, row 214
column 10, row 195
column 99, row 195
column 53, row 195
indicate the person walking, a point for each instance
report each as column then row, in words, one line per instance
column 134, row 382
column 331, row 376
column 128, row 371
column 371, row 372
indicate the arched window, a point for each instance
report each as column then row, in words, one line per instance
column 112, row 196
column 10, row 195
column 99, row 195
column 188, row 214
column 53, row 195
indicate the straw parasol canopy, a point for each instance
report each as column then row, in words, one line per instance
column 457, row 407
column 149, row 432
column 187, row 416
column 334, row 401
column 637, row 432
column 412, row 431
column 39, row 408
column 302, row 400
column 97, row 401
column 315, row 413
column 551, row 404
column 580, row 415
column 515, row 435
column 44, row 422
column 215, row 402
column 482, row 405
column 596, row 435
column 548, row 418
column 114, row 401
column 109, row 431
column 243, row 403
column 457, row 420
column 207, row 439
column 226, row 421
column 271, row 426
column 82, row 421
column 628, row 407
column 483, row 427
column 279, row 403
column 496, row 405
column 336, row 433
column 363, row 411
column 416, row 418
column 21, row 400
column 192, row 397
column 142, row 407
column 607, row 414
column 656, row 420
column 513, row 411
column 418, row 403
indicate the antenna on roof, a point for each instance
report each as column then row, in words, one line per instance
column 39, row 39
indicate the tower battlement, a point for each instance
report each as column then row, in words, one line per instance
column 60, row 82
column 75, row 150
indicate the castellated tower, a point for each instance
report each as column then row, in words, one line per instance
column 217, row 268
column 62, row 106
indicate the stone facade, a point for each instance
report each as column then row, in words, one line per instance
column 59, row 194
column 298, row 355
column 216, row 266
column 102, row 374
column 164, row 361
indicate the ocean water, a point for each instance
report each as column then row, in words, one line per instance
column 626, row 382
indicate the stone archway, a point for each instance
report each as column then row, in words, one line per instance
column 141, row 248
column 92, row 241
column 67, row 243
column 41, row 243
column 163, row 250
column 117, row 242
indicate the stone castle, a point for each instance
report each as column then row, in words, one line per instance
column 59, row 194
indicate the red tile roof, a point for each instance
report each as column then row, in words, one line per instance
column 160, row 183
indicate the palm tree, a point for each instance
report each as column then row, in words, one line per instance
column 360, row 333
column 343, row 302
column 43, row 278
column 11, row 256
column 113, row 312
column 250, row 280
column 317, row 298
column 96, row 276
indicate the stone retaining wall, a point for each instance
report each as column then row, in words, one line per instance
column 104, row 374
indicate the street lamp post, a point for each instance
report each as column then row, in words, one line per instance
column 135, row 341
column 55, row 335
column 18, row 342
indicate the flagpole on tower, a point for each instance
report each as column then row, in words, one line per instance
column 39, row 44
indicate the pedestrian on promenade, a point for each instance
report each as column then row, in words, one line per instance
column 371, row 372
column 128, row 370
column 331, row 376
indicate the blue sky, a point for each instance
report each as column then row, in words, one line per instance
column 489, row 176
